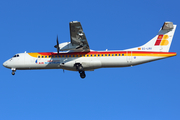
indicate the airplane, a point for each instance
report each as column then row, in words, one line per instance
column 77, row 55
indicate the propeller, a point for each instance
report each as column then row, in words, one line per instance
column 57, row 45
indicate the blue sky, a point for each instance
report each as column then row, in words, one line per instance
column 145, row 92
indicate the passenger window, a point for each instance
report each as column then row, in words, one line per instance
column 38, row 56
column 98, row 55
column 91, row 55
column 109, row 55
column 45, row 56
column 122, row 54
column 119, row 54
column 112, row 54
column 42, row 56
column 94, row 55
column 102, row 55
column 69, row 55
column 115, row 54
column 87, row 55
column 59, row 56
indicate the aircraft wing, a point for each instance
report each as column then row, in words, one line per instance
column 78, row 37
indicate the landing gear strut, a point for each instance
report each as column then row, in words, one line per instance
column 79, row 67
column 13, row 71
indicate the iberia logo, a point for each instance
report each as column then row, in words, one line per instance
column 162, row 40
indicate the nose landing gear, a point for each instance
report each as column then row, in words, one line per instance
column 13, row 71
column 79, row 67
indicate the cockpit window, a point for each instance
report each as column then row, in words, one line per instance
column 16, row 55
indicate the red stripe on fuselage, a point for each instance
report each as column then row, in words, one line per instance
column 104, row 52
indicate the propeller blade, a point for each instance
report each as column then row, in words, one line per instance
column 57, row 41
column 57, row 45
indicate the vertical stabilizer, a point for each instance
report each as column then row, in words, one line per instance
column 161, row 42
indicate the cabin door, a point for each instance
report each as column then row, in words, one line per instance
column 129, row 56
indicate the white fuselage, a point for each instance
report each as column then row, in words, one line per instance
column 89, row 60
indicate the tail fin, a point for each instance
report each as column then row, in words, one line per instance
column 161, row 42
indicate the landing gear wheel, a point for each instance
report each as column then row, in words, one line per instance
column 13, row 73
column 82, row 74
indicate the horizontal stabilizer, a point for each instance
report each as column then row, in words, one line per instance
column 167, row 26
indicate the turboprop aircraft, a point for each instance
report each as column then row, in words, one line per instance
column 77, row 55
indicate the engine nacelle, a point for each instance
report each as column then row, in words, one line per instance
column 67, row 46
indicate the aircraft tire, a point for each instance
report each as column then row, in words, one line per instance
column 82, row 74
column 13, row 73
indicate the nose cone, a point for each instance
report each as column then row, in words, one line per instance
column 5, row 64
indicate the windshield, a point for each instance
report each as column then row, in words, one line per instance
column 16, row 55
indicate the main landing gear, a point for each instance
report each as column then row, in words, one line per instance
column 13, row 71
column 79, row 67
